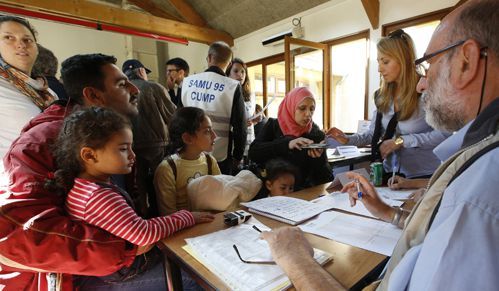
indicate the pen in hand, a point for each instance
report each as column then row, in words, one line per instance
column 359, row 193
column 394, row 170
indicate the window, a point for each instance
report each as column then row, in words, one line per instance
column 348, row 81
column 255, row 75
column 420, row 28
column 308, row 72
column 270, row 69
column 275, row 79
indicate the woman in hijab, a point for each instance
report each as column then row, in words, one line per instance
column 288, row 136
column 22, row 97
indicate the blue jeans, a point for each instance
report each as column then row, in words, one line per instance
column 150, row 280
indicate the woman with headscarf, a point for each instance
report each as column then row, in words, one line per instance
column 22, row 97
column 286, row 137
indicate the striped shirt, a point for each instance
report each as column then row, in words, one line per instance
column 104, row 207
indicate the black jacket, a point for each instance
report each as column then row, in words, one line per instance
column 271, row 143
column 237, row 136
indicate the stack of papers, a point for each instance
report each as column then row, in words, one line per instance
column 286, row 209
column 365, row 233
column 216, row 253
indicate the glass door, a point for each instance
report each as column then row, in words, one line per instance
column 307, row 64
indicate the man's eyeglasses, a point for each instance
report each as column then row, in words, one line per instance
column 252, row 262
column 422, row 64
column 169, row 71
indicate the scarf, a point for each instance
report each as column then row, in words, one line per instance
column 35, row 89
column 286, row 113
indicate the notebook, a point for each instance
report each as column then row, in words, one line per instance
column 286, row 209
column 215, row 251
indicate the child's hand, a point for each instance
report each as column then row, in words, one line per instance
column 202, row 217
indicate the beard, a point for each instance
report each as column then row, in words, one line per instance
column 444, row 110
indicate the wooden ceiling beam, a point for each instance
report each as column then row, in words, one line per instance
column 81, row 9
column 372, row 10
column 154, row 9
column 188, row 13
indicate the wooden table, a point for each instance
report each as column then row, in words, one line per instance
column 350, row 265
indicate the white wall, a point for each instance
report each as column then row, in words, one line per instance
column 68, row 40
column 334, row 19
column 194, row 54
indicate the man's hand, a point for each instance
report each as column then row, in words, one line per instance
column 170, row 82
column 370, row 198
column 288, row 245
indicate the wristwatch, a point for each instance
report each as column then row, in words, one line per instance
column 399, row 140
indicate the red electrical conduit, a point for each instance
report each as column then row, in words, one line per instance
column 94, row 25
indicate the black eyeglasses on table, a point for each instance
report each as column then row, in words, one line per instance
column 252, row 262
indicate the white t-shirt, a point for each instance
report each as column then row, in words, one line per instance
column 17, row 110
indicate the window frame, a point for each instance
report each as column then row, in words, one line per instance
column 416, row 20
column 344, row 39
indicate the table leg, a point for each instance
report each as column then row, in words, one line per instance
column 173, row 275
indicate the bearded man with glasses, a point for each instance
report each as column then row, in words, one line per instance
column 450, row 239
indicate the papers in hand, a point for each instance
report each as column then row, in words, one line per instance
column 286, row 209
column 215, row 252
column 365, row 233
column 263, row 109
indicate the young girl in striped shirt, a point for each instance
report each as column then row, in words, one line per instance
column 93, row 145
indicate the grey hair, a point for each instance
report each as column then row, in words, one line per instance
column 479, row 21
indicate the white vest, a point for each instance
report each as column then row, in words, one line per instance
column 214, row 94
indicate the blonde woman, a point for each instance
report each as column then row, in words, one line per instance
column 399, row 134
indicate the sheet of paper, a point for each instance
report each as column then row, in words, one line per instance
column 365, row 233
column 338, row 200
column 263, row 109
column 293, row 209
column 215, row 251
column 388, row 193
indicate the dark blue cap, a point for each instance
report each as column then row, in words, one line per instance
column 133, row 64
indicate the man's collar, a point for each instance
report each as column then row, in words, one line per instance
column 484, row 125
column 215, row 69
column 452, row 144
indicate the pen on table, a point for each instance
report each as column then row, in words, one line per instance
column 256, row 228
column 359, row 193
